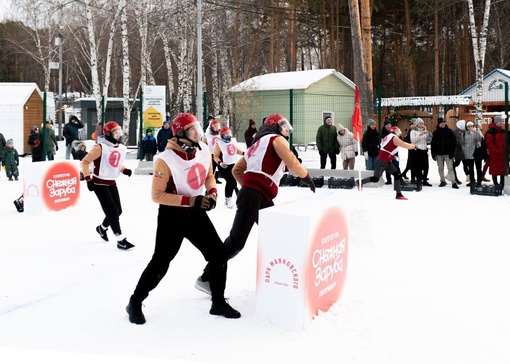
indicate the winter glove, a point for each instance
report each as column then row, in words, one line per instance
column 127, row 172
column 366, row 155
column 206, row 203
column 223, row 165
column 356, row 154
column 450, row 155
column 309, row 182
column 56, row 147
column 90, row 185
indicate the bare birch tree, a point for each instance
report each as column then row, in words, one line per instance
column 39, row 22
column 479, row 38
column 126, row 70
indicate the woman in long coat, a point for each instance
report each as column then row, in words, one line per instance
column 495, row 140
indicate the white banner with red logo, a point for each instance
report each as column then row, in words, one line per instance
column 302, row 259
column 51, row 185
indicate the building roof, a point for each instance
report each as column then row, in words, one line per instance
column 494, row 73
column 17, row 93
column 296, row 80
column 425, row 100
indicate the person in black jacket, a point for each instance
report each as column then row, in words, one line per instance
column 442, row 148
column 149, row 145
column 70, row 133
column 370, row 145
column 35, row 142
column 164, row 135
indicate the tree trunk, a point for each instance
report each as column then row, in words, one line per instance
column 479, row 47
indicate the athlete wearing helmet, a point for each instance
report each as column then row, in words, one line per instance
column 184, row 187
column 211, row 136
column 259, row 173
column 389, row 148
column 108, row 158
column 225, row 155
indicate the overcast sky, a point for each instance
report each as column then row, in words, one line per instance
column 4, row 7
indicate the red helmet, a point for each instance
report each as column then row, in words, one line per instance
column 224, row 130
column 279, row 121
column 109, row 127
column 184, row 122
column 214, row 125
column 274, row 119
column 395, row 130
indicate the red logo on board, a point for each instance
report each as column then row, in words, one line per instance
column 61, row 186
column 327, row 261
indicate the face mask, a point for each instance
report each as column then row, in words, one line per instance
column 226, row 138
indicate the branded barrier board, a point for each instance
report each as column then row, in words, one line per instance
column 302, row 259
column 51, row 185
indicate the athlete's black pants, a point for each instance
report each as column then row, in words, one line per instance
column 174, row 224
column 109, row 199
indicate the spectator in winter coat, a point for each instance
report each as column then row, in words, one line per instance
column 71, row 135
column 420, row 163
column 442, row 148
column 35, row 142
column 459, row 153
column 250, row 133
column 149, row 145
column 327, row 143
column 82, row 151
column 10, row 160
column 348, row 147
column 472, row 138
column 370, row 145
column 51, row 141
column 3, row 144
column 164, row 135
column 495, row 140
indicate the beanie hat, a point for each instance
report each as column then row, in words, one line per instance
column 461, row 124
column 440, row 120
column 166, row 122
column 149, row 130
column 498, row 119
column 469, row 123
column 386, row 122
column 340, row 127
column 252, row 122
column 371, row 122
column 419, row 121
column 9, row 141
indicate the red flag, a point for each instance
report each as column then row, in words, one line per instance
column 357, row 127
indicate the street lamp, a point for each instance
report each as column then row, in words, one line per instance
column 58, row 43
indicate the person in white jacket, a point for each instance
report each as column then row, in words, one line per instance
column 421, row 137
column 348, row 147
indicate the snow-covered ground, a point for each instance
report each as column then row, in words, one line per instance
column 427, row 282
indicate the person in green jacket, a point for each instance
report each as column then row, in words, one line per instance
column 51, row 141
column 327, row 143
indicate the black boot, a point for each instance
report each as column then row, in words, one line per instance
column 222, row 308
column 134, row 310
